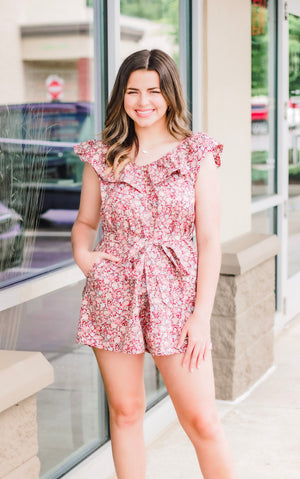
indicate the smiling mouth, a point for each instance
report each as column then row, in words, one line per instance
column 144, row 113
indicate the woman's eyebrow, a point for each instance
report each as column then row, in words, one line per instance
column 137, row 89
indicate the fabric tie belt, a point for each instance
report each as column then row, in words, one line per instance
column 144, row 252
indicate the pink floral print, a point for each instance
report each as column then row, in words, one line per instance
column 142, row 302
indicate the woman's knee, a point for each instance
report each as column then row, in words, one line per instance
column 200, row 424
column 127, row 412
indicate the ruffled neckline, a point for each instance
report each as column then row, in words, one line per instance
column 180, row 159
column 156, row 170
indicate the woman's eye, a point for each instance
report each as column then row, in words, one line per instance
column 155, row 91
column 131, row 92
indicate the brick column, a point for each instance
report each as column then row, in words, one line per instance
column 243, row 314
column 22, row 375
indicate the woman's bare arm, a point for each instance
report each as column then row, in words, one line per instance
column 207, row 225
column 84, row 231
column 85, row 228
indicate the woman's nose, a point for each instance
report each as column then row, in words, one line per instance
column 143, row 99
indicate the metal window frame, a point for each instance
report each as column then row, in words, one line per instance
column 282, row 148
column 107, row 54
column 279, row 199
column 99, row 61
column 197, row 64
column 290, row 284
column 185, row 16
column 287, row 288
column 191, row 57
column 113, row 41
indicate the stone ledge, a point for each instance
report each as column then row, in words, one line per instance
column 22, row 374
column 236, row 294
column 247, row 251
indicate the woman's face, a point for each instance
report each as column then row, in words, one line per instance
column 143, row 100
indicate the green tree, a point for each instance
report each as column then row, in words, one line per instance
column 259, row 53
column 160, row 11
column 261, row 49
column 152, row 10
column 294, row 53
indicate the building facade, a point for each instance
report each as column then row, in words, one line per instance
column 239, row 63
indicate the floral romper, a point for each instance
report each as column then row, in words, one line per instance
column 142, row 302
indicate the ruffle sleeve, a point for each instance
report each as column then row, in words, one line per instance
column 93, row 152
column 200, row 145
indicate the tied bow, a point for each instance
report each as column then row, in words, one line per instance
column 143, row 252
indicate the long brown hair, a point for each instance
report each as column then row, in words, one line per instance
column 119, row 133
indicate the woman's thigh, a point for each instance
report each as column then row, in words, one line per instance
column 123, row 378
column 192, row 393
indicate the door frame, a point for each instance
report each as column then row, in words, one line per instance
column 288, row 300
column 293, row 300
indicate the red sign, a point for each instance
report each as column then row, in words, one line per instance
column 54, row 87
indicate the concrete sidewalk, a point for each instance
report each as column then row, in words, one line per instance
column 263, row 429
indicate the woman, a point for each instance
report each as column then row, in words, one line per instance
column 147, row 287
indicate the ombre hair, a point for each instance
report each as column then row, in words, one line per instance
column 119, row 132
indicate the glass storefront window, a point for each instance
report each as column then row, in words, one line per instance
column 72, row 418
column 294, row 147
column 263, row 106
column 46, row 106
column 149, row 25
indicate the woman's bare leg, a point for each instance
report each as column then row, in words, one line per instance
column 122, row 375
column 193, row 396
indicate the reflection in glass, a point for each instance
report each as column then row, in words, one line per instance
column 46, row 106
column 72, row 419
column 264, row 221
column 263, row 109
column 149, row 25
column 294, row 147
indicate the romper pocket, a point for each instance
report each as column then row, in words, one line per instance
column 91, row 270
column 94, row 266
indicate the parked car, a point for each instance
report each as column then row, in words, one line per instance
column 259, row 115
column 36, row 154
column 294, row 112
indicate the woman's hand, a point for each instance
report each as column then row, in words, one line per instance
column 197, row 329
column 89, row 258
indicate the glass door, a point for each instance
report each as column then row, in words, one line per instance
column 293, row 140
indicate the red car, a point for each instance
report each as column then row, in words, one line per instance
column 259, row 115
